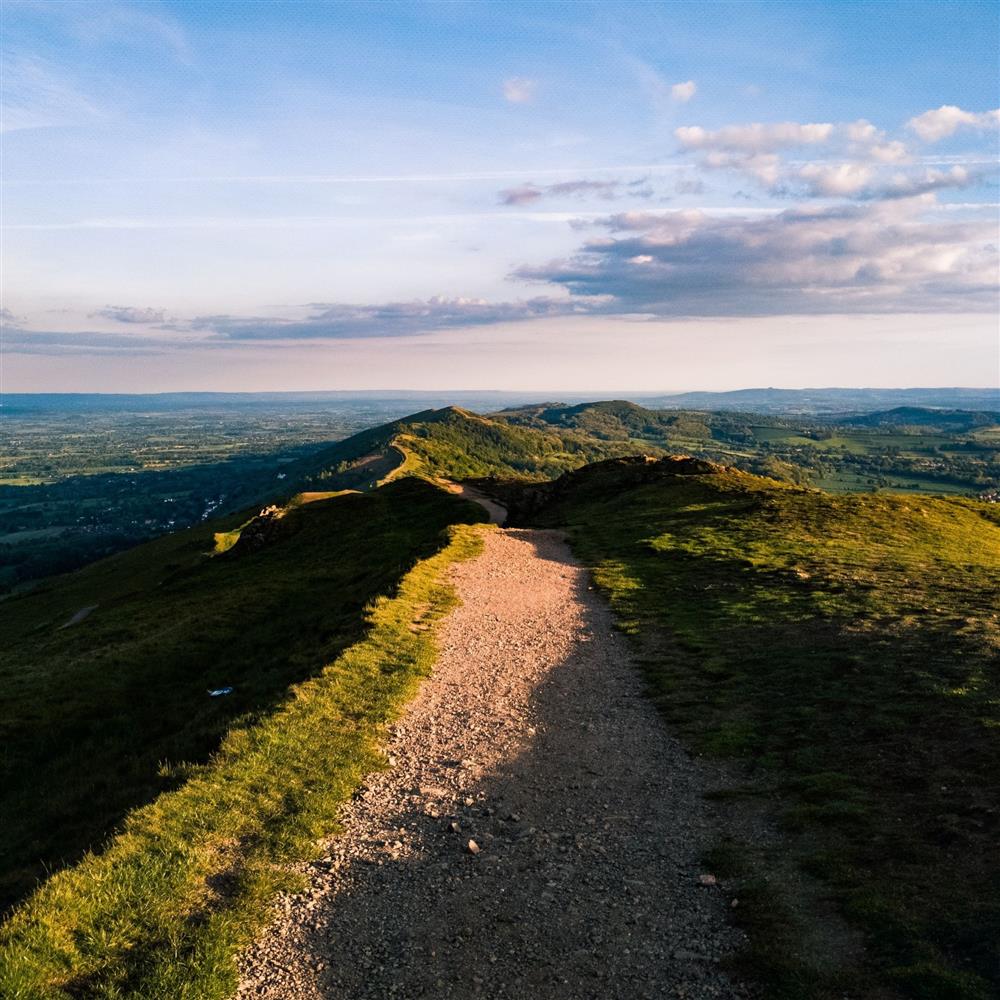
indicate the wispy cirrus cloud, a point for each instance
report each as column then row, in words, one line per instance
column 36, row 93
column 526, row 194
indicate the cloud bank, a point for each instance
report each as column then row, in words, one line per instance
column 393, row 319
column 849, row 258
column 132, row 314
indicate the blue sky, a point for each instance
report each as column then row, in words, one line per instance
column 529, row 196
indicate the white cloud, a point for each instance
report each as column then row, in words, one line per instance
column 763, row 167
column 519, row 89
column 888, row 152
column 683, row 92
column 754, row 138
column 855, row 159
column 836, row 180
column 862, row 180
column 932, row 126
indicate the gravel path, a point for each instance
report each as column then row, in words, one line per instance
column 538, row 834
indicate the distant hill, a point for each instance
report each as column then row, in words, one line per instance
column 955, row 421
column 760, row 400
column 829, row 401
column 614, row 420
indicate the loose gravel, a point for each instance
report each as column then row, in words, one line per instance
column 537, row 834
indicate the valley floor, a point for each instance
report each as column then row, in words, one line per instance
column 538, row 833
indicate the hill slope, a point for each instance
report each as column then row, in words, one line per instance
column 844, row 648
column 453, row 443
column 104, row 714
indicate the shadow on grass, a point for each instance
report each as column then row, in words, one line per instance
column 104, row 716
column 861, row 685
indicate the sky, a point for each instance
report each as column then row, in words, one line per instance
column 527, row 196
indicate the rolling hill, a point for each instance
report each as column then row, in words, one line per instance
column 955, row 421
column 181, row 720
column 453, row 443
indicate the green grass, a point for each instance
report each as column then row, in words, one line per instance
column 458, row 444
column 163, row 910
column 844, row 648
column 105, row 715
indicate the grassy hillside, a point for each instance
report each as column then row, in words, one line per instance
column 53, row 527
column 453, row 443
column 904, row 450
column 103, row 715
column 845, row 649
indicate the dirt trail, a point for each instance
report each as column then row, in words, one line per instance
column 496, row 511
column 533, row 741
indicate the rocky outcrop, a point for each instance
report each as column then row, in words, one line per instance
column 260, row 532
